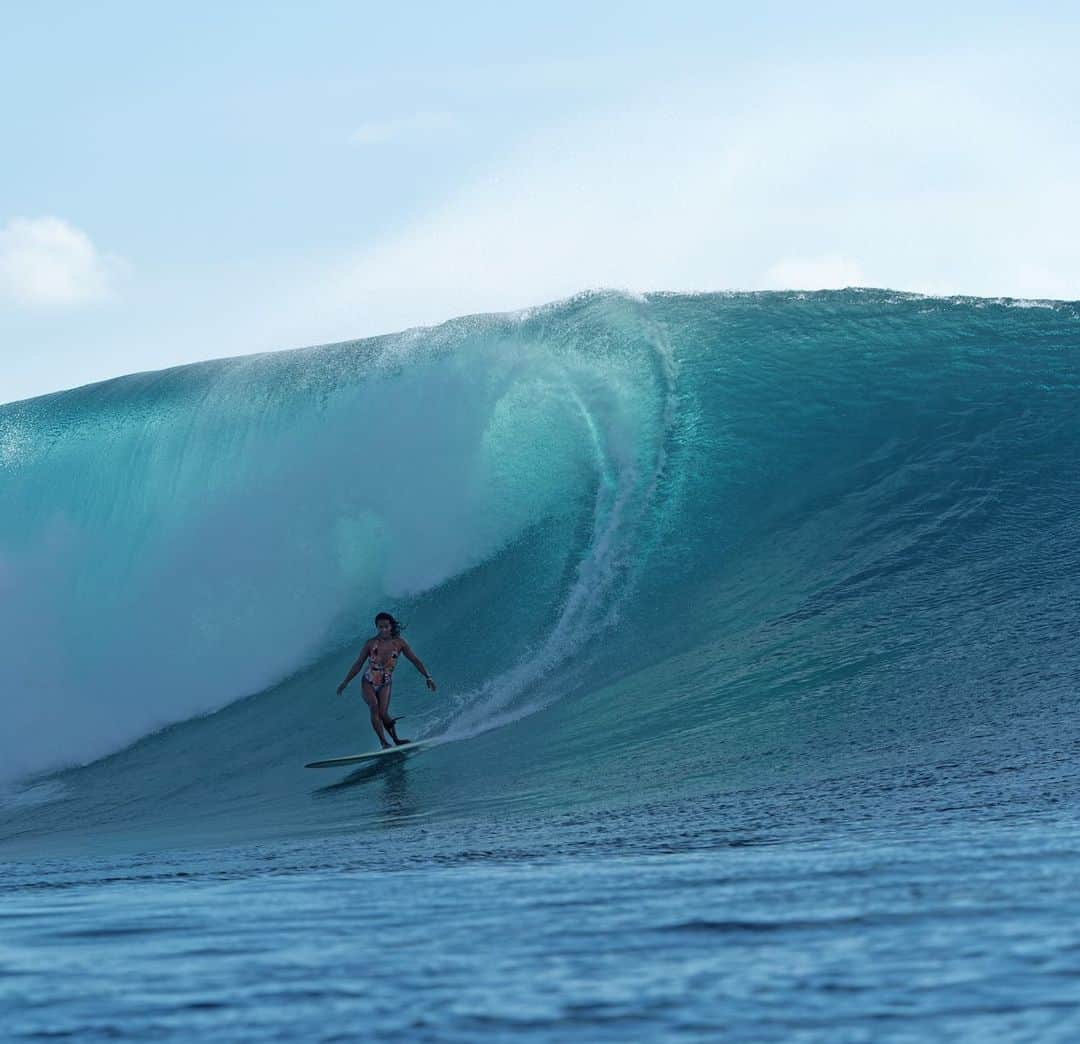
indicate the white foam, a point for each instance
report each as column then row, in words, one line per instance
column 16, row 797
column 626, row 493
column 190, row 549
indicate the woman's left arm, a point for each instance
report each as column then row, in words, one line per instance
column 415, row 660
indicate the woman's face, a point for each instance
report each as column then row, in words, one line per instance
column 383, row 627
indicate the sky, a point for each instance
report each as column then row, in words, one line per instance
column 196, row 181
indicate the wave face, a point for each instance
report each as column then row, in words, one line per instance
column 776, row 528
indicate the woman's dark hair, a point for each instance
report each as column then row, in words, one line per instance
column 395, row 626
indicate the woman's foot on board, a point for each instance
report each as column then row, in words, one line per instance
column 388, row 725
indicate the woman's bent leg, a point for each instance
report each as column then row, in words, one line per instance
column 372, row 700
column 384, row 713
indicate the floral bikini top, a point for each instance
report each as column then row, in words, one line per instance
column 383, row 669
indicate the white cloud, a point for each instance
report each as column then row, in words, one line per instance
column 48, row 262
column 417, row 127
column 940, row 175
column 827, row 272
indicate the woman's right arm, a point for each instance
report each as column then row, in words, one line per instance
column 354, row 670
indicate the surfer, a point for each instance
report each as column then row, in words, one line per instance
column 382, row 652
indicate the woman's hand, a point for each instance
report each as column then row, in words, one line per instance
column 341, row 688
column 430, row 683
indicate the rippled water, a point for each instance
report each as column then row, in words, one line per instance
column 951, row 914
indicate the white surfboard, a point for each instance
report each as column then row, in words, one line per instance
column 351, row 759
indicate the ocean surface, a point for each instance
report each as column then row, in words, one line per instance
column 755, row 624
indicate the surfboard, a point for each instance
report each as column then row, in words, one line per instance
column 351, row 759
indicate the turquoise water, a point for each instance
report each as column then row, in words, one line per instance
column 754, row 622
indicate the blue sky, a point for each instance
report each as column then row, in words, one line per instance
column 214, row 180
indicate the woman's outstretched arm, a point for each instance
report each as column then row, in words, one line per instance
column 410, row 655
column 354, row 670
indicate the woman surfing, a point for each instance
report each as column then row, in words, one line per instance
column 382, row 652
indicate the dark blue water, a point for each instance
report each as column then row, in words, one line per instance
column 754, row 619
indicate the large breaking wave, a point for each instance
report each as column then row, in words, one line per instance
column 770, row 524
